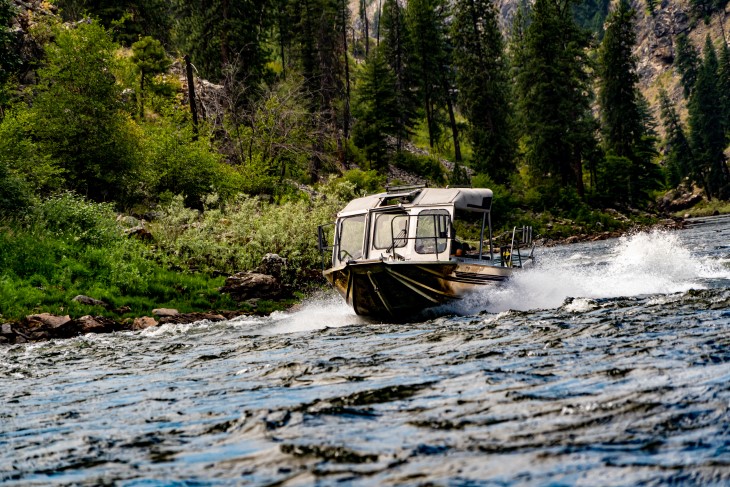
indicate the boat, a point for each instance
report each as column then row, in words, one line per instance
column 395, row 254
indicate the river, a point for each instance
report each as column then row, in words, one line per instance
column 606, row 364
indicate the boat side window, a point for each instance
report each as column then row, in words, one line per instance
column 390, row 229
column 352, row 232
column 432, row 231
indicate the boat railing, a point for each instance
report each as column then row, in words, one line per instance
column 510, row 254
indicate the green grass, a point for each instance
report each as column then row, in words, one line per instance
column 706, row 208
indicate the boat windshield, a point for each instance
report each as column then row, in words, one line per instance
column 432, row 231
column 352, row 233
column 391, row 230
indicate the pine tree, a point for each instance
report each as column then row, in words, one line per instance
column 427, row 22
column 128, row 20
column 678, row 151
column 705, row 121
column 687, row 63
column 221, row 33
column 723, row 80
column 482, row 82
column 9, row 58
column 375, row 109
column 149, row 59
column 625, row 118
column 395, row 45
column 318, row 51
column 552, row 85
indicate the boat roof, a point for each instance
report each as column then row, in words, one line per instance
column 469, row 199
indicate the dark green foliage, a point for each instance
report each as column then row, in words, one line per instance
column 723, row 85
column 376, row 110
column 221, row 33
column 149, row 59
column 425, row 19
column 626, row 121
column 395, row 44
column 678, row 151
column 76, row 117
column 708, row 134
column 317, row 46
column 617, row 92
column 687, row 63
column 14, row 193
column 552, row 84
column 9, row 57
column 483, row 86
column 591, row 14
column 127, row 19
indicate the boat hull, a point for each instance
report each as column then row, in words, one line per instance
column 401, row 290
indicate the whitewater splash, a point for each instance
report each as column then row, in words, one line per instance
column 645, row 263
column 315, row 313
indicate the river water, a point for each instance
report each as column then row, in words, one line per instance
column 606, row 364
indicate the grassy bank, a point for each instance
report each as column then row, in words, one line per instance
column 65, row 246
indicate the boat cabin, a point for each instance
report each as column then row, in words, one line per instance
column 414, row 224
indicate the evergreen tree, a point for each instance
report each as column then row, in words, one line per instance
column 319, row 52
column 220, row 33
column 9, row 58
column 678, row 151
column 127, row 20
column 427, row 22
column 483, row 87
column 552, row 85
column 625, row 116
column 376, row 110
column 395, row 45
column 686, row 62
column 705, row 121
column 723, row 80
column 149, row 59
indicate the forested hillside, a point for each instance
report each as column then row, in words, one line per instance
column 567, row 109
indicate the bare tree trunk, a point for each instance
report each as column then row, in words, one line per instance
column 452, row 120
column 191, row 95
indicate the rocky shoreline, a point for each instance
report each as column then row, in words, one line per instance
column 244, row 287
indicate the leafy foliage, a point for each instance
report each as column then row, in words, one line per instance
column 76, row 116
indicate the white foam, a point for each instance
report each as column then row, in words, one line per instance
column 315, row 313
column 644, row 263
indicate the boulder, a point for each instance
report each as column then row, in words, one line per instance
column 243, row 286
column 163, row 312
column 46, row 321
column 6, row 329
column 143, row 323
column 90, row 301
column 680, row 199
column 272, row 265
column 93, row 324
column 85, row 324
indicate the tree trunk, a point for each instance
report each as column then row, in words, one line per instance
column 191, row 95
column 452, row 120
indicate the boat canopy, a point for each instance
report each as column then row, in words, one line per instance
column 467, row 199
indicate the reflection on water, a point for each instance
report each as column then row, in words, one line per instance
column 607, row 364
